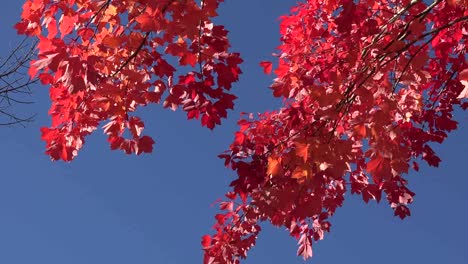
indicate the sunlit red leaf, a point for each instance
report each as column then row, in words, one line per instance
column 379, row 168
column 305, row 247
column 267, row 66
column 206, row 241
column 67, row 24
column 282, row 68
column 239, row 138
column 41, row 64
column 274, row 166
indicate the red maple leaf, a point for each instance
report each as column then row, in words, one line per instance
column 267, row 66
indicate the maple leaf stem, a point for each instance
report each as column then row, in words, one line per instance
column 403, row 33
column 434, row 31
column 443, row 88
column 348, row 99
column 395, row 84
column 437, row 30
column 133, row 55
column 103, row 7
column 142, row 43
column 100, row 10
column 383, row 29
column 426, row 11
column 295, row 134
column 434, row 101
column 401, row 12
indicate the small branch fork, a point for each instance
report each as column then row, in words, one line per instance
column 14, row 81
column 142, row 44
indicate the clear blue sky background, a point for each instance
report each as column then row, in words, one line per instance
column 107, row 207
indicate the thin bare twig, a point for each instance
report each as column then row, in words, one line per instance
column 14, row 82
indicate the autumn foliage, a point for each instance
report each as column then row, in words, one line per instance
column 104, row 59
column 368, row 86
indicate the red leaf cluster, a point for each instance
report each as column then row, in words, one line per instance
column 104, row 59
column 368, row 86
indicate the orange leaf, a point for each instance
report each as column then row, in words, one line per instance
column 302, row 150
column 274, row 166
column 111, row 41
column 360, row 130
column 454, row 3
column 302, row 172
column 111, row 10
column 146, row 22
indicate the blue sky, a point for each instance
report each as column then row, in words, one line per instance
column 107, row 207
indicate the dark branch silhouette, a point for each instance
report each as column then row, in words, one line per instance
column 15, row 82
